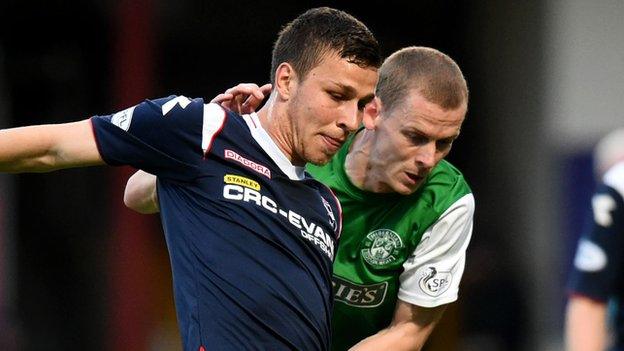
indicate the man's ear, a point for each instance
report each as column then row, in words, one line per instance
column 285, row 80
column 371, row 113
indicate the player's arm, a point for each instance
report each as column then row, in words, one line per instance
column 597, row 267
column 140, row 193
column 409, row 330
column 45, row 148
column 440, row 258
column 586, row 328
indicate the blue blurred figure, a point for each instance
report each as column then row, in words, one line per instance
column 594, row 316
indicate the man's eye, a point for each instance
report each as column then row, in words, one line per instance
column 418, row 139
column 444, row 144
column 337, row 96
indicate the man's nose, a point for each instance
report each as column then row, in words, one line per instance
column 426, row 156
column 350, row 118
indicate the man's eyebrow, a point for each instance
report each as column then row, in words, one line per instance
column 368, row 98
column 350, row 91
column 347, row 89
column 415, row 130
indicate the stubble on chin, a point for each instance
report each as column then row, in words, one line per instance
column 319, row 158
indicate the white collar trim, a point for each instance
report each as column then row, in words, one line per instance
column 268, row 145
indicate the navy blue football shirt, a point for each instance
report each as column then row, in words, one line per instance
column 251, row 237
column 598, row 271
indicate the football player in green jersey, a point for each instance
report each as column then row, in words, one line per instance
column 407, row 213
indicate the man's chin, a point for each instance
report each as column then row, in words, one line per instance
column 403, row 189
column 319, row 160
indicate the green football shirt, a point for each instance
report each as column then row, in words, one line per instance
column 394, row 246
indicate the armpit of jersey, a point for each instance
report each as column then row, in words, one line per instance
column 589, row 257
column 432, row 274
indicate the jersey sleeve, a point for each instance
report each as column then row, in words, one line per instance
column 163, row 137
column 432, row 274
column 598, row 261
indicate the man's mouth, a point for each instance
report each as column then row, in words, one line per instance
column 334, row 143
column 414, row 177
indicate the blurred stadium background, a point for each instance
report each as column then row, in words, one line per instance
column 78, row 271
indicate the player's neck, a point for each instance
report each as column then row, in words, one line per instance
column 276, row 123
column 359, row 164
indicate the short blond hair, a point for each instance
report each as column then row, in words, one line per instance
column 432, row 73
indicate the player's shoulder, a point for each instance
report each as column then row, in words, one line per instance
column 213, row 115
column 313, row 182
column 175, row 104
column 445, row 189
column 168, row 103
column 614, row 178
column 172, row 107
column 448, row 178
column 321, row 172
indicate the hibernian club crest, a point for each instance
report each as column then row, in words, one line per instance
column 381, row 247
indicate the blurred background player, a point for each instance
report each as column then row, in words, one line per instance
column 597, row 279
column 407, row 213
column 251, row 237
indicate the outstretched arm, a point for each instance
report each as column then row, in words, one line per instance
column 140, row 194
column 45, row 148
column 410, row 328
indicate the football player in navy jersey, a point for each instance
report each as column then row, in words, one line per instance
column 597, row 277
column 251, row 236
column 392, row 301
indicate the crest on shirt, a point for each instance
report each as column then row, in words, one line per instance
column 330, row 213
column 381, row 247
column 434, row 283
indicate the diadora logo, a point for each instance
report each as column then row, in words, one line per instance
column 123, row 118
column 381, row 247
column 232, row 155
column 434, row 283
column 359, row 295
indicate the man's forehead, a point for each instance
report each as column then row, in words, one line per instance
column 416, row 106
column 423, row 120
column 347, row 77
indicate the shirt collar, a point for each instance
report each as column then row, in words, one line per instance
column 268, row 145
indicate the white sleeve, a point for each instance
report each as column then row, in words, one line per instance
column 431, row 275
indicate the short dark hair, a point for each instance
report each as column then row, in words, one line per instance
column 432, row 73
column 308, row 38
